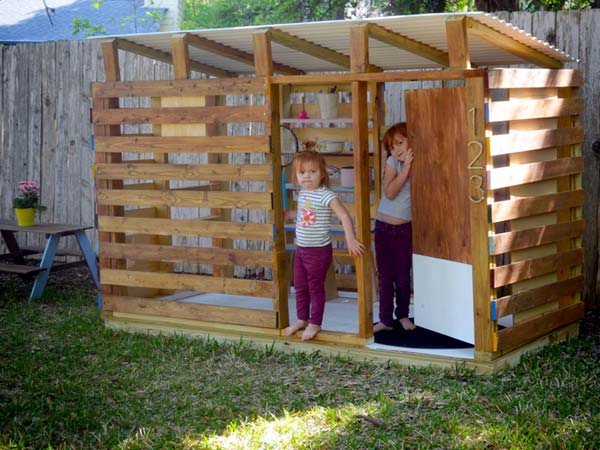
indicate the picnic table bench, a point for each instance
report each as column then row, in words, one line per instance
column 54, row 233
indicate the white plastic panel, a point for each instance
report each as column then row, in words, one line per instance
column 443, row 297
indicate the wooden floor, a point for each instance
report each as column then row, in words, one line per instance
column 340, row 316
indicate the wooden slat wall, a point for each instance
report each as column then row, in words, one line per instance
column 178, row 184
column 538, row 278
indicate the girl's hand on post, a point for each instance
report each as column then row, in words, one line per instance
column 355, row 247
column 408, row 159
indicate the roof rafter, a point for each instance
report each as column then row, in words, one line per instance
column 510, row 45
column 148, row 52
column 310, row 48
column 235, row 54
column 410, row 45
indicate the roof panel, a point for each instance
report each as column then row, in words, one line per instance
column 427, row 29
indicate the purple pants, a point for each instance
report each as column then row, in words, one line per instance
column 310, row 270
column 393, row 253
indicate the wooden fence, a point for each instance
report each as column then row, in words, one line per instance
column 46, row 134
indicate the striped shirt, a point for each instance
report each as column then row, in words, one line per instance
column 313, row 220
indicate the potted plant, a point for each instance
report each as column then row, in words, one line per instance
column 27, row 203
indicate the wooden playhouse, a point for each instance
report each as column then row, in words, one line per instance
column 191, row 183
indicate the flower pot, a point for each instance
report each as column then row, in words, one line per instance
column 25, row 216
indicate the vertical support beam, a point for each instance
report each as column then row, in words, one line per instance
column 479, row 157
column 458, row 45
column 110, row 54
column 359, row 62
column 359, row 48
column 378, row 114
column 566, row 184
column 181, row 57
column 263, row 59
column 263, row 66
column 110, row 57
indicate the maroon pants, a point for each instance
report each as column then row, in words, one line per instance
column 393, row 253
column 310, row 270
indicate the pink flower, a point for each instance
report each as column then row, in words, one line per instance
column 29, row 186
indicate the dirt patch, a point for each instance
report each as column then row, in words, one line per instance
column 70, row 280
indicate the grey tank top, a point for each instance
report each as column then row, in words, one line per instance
column 399, row 206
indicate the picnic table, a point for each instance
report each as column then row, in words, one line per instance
column 18, row 256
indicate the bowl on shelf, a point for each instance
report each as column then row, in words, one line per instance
column 330, row 146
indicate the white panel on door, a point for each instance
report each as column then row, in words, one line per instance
column 443, row 297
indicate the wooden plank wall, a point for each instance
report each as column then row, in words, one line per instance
column 45, row 99
column 538, row 164
column 146, row 188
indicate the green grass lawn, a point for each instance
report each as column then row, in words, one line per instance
column 66, row 381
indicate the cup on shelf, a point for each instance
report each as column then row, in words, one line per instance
column 328, row 105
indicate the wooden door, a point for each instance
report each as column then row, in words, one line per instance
column 442, row 271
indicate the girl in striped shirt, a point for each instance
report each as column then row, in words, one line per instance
column 314, row 253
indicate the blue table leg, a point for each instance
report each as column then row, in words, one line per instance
column 46, row 263
column 88, row 254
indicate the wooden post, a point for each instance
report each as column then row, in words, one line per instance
column 567, row 183
column 458, row 46
column 479, row 158
column 359, row 62
column 263, row 65
column 111, row 73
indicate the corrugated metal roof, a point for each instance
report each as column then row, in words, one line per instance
column 429, row 29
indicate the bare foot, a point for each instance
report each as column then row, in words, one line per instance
column 407, row 324
column 310, row 332
column 298, row 325
column 380, row 326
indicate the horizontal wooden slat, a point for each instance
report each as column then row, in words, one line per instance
column 530, row 298
column 179, row 115
column 534, row 109
column 530, row 268
column 192, row 255
column 522, row 141
column 531, row 206
column 182, row 144
column 179, row 88
column 187, row 227
column 532, row 329
column 205, row 172
column 379, row 77
column 201, row 283
column 190, row 311
column 517, row 174
column 197, row 199
column 532, row 237
column 534, row 78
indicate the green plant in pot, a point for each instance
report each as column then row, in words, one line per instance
column 27, row 203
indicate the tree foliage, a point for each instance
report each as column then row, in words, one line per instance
column 233, row 13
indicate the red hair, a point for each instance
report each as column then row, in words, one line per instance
column 388, row 137
column 313, row 159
